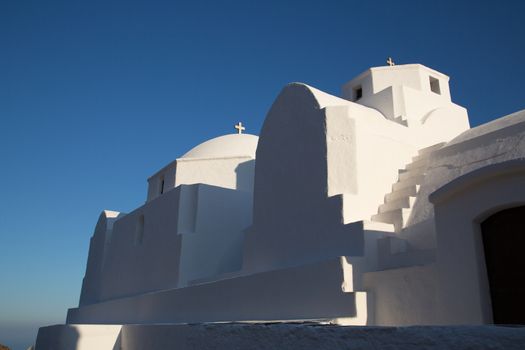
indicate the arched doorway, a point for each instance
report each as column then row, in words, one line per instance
column 504, row 246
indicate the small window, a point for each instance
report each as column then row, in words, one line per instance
column 434, row 85
column 139, row 230
column 161, row 185
column 358, row 92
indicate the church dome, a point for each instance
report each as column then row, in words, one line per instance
column 233, row 145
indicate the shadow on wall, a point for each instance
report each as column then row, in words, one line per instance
column 86, row 337
column 118, row 341
column 57, row 337
column 245, row 172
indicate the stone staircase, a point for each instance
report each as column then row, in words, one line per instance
column 398, row 204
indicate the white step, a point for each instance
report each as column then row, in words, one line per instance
column 396, row 217
column 418, row 164
column 405, row 192
column 414, row 180
column 378, row 226
column 431, row 149
column 406, row 202
column 425, row 153
column 419, row 157
column 407, row 174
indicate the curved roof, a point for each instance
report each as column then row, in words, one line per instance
column 233, row 145
column 322, row 98
column 497, row 124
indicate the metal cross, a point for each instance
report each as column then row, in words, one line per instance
column 390, row 62
column 239, row 127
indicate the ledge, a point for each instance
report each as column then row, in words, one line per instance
column 477, row 177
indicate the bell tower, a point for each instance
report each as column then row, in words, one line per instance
column 405, row 94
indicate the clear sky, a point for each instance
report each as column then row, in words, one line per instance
column 95, row 96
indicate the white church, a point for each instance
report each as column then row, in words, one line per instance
column 381, row 207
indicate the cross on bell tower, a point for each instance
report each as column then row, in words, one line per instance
column 390, row 62
column 239, row 127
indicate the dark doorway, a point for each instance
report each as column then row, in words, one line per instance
column 504, row 245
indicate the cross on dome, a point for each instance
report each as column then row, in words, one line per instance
column 239, row 127
column 390, row 62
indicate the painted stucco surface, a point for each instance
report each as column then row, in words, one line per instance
column 358, row 210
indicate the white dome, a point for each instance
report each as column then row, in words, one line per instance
column 232, row 145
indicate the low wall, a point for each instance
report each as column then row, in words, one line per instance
column 283, row 336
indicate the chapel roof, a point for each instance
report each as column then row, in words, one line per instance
column 233, row 145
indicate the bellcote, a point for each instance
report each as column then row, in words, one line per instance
column 403, row 93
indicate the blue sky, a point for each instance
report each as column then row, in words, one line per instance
column 95, row 96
